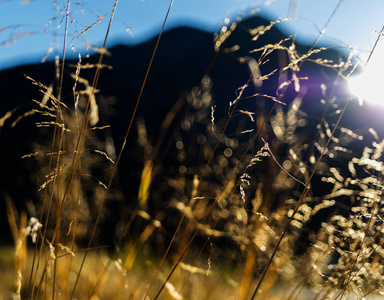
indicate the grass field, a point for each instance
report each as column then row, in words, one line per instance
column 281, row 206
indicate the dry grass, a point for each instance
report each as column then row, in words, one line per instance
column 239, row 217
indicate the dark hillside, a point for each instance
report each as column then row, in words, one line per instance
column 184, row 56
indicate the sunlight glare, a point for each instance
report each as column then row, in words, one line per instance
column 369, row 85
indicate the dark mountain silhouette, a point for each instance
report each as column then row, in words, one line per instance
column 184, row 56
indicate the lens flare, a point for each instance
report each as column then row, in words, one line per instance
column 369, row 85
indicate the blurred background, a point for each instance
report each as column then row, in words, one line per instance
column 28, row 28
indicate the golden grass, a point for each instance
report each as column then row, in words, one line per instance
column 233, row 225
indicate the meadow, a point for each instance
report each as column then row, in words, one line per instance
column 274, row 193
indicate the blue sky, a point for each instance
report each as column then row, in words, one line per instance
column 28, row 28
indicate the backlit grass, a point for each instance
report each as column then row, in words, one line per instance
column 233, row 201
